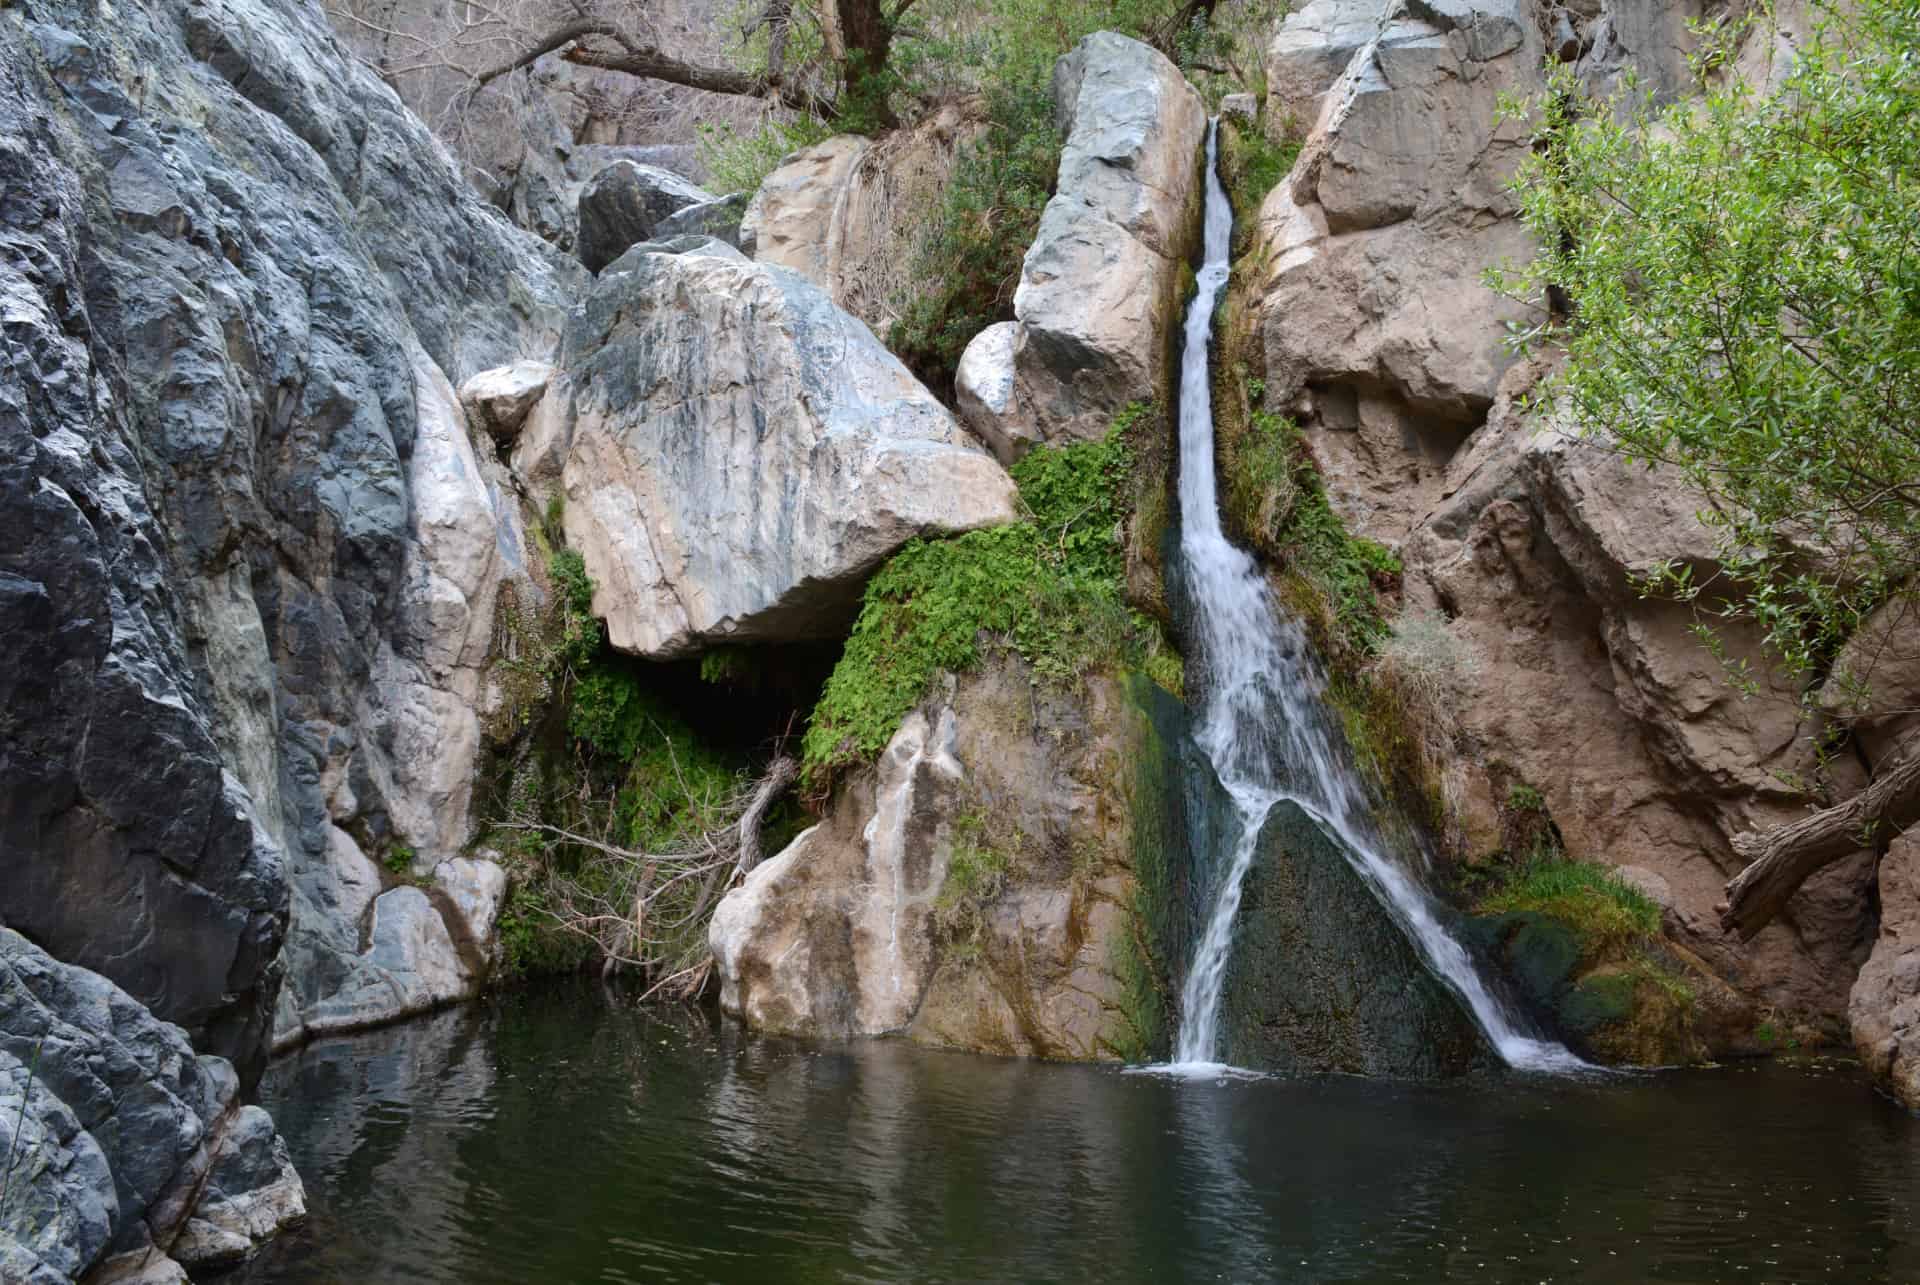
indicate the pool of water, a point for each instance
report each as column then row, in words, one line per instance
column 558, row 1135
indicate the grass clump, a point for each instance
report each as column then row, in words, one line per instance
column 1602, row 908
column 1050, row 587
column 976, row 874
column 739, row 161
column 1275, row 499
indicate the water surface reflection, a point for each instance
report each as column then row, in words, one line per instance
column 559, row 1135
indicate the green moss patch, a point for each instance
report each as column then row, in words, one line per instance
column 1051, row 587
column 1601, row 908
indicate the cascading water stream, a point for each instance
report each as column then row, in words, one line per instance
column 1261, row 722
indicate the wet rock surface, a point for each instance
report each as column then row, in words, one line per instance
column 1321, row 977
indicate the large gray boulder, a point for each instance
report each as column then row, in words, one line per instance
column 1099, row 291
column 248, row 555
column 130, row 1144
column 741, row 454
column 624, row 203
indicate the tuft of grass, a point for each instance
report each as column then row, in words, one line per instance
column 740, row 161
column 976, row 875
column 1602, row 908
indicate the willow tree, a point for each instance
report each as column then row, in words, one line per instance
column 1741, row 285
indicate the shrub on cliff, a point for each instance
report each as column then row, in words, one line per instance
column 1744, row 279
column 1741, row 278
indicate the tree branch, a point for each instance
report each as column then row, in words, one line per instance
column 1781, row 858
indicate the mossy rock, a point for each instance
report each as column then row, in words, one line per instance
column 1630, row 1005
column 1322, row 978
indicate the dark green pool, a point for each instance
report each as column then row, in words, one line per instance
column 563, row 1135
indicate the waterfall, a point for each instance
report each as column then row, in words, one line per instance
column 1260, row 719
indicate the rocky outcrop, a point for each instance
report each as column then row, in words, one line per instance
column 131, row 1148
column 992, row 885
column 1377, row 332
column 1099, row 290
column 741, row 454
column 625, row 203
column 1884, row 1008
column 253, row 555
column 1519, row 540
column 847, row 213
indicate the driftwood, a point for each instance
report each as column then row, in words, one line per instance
column 780, row 774
column 640, row 911
column 1779, row 859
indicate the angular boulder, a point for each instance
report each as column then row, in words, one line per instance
column 887, row 918
column 497, row 400
column 719, row 218
column 625, row 203
column 847, row 213
column 1098, row 299
column 1378, row 333
column 741, row 454
column 132, row 1146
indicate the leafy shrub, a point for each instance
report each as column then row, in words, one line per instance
column 740, row 161
column 1746, row 311
column 976, row 872
column 1274, row 497
column 967, row 265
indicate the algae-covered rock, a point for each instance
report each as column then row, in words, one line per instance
column 1323, row 979
column 1640, row 1003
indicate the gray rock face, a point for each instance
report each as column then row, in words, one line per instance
column 718, row 218
column 130, row 1142
column 740, row 454
column 1098, row 291
column 247, row 555
column 625, row 203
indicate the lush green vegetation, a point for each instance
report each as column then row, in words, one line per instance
column 967, row 265
column 604, row 796
column 1051, row 587
column 740, row 160
column 1600, row 907
column 1274, row 498
column 977, row 871
column 1744, row 278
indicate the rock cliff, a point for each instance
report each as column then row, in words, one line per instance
column 1522, row 540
